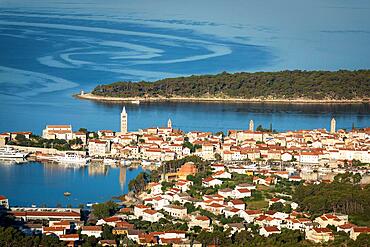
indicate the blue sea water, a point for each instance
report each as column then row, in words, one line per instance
column 51, row 50
column 44, row 184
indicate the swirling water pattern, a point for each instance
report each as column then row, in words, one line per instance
column 51, row 50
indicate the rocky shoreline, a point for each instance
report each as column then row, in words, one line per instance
column 90, row 96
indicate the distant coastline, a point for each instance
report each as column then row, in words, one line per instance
column 90, row 96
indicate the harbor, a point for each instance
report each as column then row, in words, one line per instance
column 40, row 184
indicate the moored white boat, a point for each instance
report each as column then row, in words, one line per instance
column 125, row 162
column 108, row 161
column 145, row 163
column 72, row 158
column 10, row 153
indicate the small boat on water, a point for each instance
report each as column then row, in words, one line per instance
column 90, row 204
column 145, row 163
column 67, row 193
column 73, row 158
column 9, row 153
column 125, row 162
column 137, row 102
column 108, row 161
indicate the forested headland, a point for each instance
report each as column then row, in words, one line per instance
column 284, row 85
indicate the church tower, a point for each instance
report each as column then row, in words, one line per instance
column 333, row 124
column 251, row 125
column 123, row 121
column 169, row 123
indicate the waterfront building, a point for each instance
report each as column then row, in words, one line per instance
column 98, row 147
column 105, row 133
column 4, row 138
column 63, row 132
column 251, row 125
column 55, row 214
column 124, row 121
column 80, row 135
column 332, row 126
column 26, row 134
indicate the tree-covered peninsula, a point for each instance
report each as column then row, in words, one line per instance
column 283, row 85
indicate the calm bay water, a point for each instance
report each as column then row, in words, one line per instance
column 44, row 184
column 51, row 50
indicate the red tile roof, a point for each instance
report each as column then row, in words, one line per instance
column 53, row 228
column 91, row 228
column 362, row 229
column 322, row 230
column 150, row 211
column 202, row 218
column 271, row 229
column 237, row 202
column 46, row 214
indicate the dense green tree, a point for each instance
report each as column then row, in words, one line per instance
column 340, row 84
column 11, row 237
column 190, row 207
column 343, row 195
column 103, row 210
column 21, row 138
column 107, row 232
column 139, row 183
column 84, row 130
column 277, row 206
